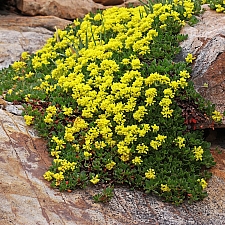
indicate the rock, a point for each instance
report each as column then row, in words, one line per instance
column 206, row 40
column 23, row 23
column 68, row 9
column 15, row 109
column 20, row 33
column 110, row 2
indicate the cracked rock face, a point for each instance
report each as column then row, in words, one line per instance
column 19, row 34
column 68, row 9
column 206, row 40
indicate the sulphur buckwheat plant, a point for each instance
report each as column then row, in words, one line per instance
column 111, row 101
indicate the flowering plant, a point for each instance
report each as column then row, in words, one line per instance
column 107, row 95
column 218, row 5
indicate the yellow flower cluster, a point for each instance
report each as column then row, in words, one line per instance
column 180, row 142
column 59, row 143
column 110, row 165
column 18, row 65
column 117, row 104
column 203, row 183
column 189, row 58
column 67, row 111
column 62, row 166
column 198, row 151
column 10, row 91
column 155, row 144
column 217, row 116
column 150, row 174
column 165, row 188
column 95, row 179
column 28, row 119
column 220, row 8
column 137, row 160
column 51, row 111
column 25, row 55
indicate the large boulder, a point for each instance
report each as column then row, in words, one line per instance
column 206, row 41
column 20, row 33
column 68, row 9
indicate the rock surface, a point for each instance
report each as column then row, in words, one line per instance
column 21, row 33
column 109, row 2
column 206, row 40
column 67, row 9
column 26, row 198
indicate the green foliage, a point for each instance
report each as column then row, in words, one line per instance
column 218, row 5
column 104, row 196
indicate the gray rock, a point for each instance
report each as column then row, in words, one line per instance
column 206, row 41
column 15, row 109
column 20, row 33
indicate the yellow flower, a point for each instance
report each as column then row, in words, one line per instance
column 142, row 149
column 137, row 160
column 48, row 118
column 9, row 91
column 125, row 157
column 150, row 174
column 136, row 64
column 16, row 78
column 28, row 119
column 18, row 65
column 139, row 114
column 160, row 138
column 87, row 154
column 69, row 136
column 155, row 128
column 110, row 165
column 48, row 175
column 167, row 112
column 155, row 144
column 163, row 26
column 168, row 93
column 203, row 183
column 198, row 152
column 55, row 153
column 184, row 74
column 27, row 97
column 189, row 58
column 164, row 188
column 30, row 74
column 95, row 179
column 180, row 142
column 59, row 177
column 165, row 102
column 25, row 55
column 52, row 110
column 126, row 61
column 67, row 111
column 217, row 116
column 98, row 17
column 219, row 8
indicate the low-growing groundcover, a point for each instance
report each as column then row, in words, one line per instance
column 113, row 105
